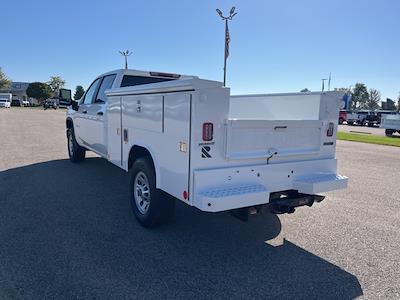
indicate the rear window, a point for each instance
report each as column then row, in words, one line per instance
column 131, row 80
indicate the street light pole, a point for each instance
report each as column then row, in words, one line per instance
column 323, row 83
column 226, row 49
column 125, row 54
column 227, row 35
column 329, row 81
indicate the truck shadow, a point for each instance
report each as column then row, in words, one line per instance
column 66, row 231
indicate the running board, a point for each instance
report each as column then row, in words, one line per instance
column 319, row 183
column 234, row 196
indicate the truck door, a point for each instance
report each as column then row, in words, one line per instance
column 97, row 117
column 82, row 131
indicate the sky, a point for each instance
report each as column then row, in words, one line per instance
column 276, row 46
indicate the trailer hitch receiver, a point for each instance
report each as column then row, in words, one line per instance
column 286, row 202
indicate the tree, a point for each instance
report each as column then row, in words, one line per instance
column 79, row 91
column 56, row 83
column 5, row 82
column 360, row 96
column 39, row 90
column 373, row 99
column 305, row 90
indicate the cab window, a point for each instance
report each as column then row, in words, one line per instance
column 105, row 85
column 91, row 92
column 131, row 80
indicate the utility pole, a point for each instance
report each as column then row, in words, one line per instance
column 125, row 54
column 329, row 81
column 227, row 35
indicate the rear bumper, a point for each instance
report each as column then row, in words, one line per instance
column 230, row 188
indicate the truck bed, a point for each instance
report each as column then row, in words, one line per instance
column 259, row 144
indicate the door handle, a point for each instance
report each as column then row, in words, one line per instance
column 84, row 111
column 100, row 113
column 125, row 135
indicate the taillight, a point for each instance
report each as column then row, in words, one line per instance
column 208, row 129
column 329, row 132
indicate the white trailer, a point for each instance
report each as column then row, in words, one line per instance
column 185, row 138
column 391, row 123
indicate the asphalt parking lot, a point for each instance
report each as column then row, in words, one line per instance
column 362, row 129
column 66, row 231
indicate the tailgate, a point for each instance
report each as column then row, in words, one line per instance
column 260, row 138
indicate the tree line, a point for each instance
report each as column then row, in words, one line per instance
column 362, row 98
column 42, row 90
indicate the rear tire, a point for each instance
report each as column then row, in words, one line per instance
column 76, row 153
column 389, row 132
column 151, row 207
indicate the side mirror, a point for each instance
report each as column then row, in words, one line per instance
column 74, row 105
column 65, row 94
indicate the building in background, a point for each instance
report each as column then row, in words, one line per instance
column 18, row 91
column 389, row 104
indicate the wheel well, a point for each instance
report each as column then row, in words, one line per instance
column 138, row 152
column 69, row 123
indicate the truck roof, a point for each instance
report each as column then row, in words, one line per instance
column 147, row 74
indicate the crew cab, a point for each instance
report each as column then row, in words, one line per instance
column 182, row 138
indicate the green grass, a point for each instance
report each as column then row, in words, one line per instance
column 370, row 139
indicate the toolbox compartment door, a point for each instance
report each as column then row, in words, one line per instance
column 246, row 139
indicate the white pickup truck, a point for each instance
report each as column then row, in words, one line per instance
column 185, row 138
column 391, row 123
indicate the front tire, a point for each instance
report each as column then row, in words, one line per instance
column 76, row 153
column 151, row 207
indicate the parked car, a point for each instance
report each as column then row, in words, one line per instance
column 50, row 103
column 26, row 103
column 371, row 119
column 342, row 116
column 5, row 100
column 362, row 117
column 391, row 123
column 16, row 102
column 187, row 139
column 382, row 113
